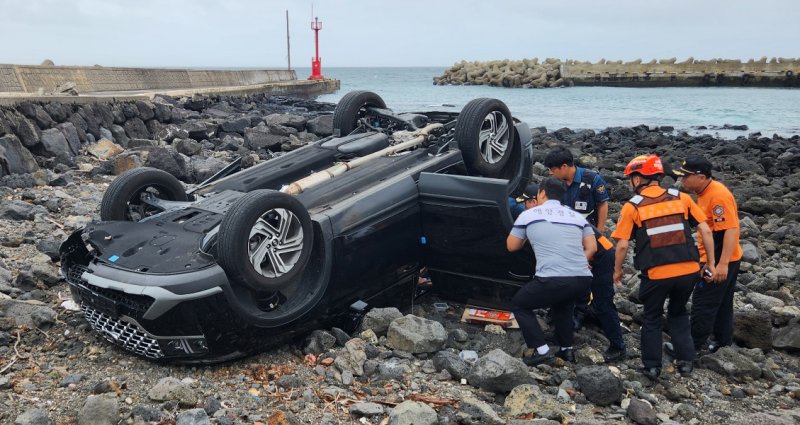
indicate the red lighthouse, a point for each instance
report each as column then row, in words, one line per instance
column 316, row 62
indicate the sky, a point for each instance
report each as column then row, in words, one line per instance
column 252, row 33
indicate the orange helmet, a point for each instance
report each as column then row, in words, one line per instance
column 646, row 165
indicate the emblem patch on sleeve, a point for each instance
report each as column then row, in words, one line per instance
column 601, row 189
column 718, row 210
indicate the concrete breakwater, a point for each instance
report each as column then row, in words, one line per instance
column 529, row 73
column 91, row 79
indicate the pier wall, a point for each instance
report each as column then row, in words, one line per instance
column 90, row 79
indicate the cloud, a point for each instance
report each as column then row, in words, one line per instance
column 382, row 33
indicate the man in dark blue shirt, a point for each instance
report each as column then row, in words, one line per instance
column 586, row 189
column 588, row 195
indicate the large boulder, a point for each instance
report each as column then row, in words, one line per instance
column 20, row 210
column 34, row 416
column 753, row 329
column 99, row 410
column 71, row 134
column 287, row 120
column 203, row 168
column 33, row 314
column 788, row 337
column 199, row 130
column 173, row 389
column 54, row 144
column 170, row 161
column 135, row 128
column 730, row 363
column 498, row 372
column 27, row 132
column 236, row 125
column 379, row 319
column 146, row 110
column 260, row 138
column 416, row 335
column 15, row 158
column 472, row 411
column 321, row 126
column 104, row 149
column 600, row 385
column 452, row 363
column 413, row 413
column 57, row 111
column 527, row 399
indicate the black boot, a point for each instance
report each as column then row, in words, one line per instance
column 537, row 359
column 614, row 354
column 651, row 373
column 567, row 355
column 685, row 368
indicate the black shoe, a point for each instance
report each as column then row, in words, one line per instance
column 614, row 354
column 651, row 373
column 567, row 355
column 713, row 347
column 685, row 368
column 537, row 359
column 669, row 349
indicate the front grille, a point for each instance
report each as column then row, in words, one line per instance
column 127, row 334
column 129, row 304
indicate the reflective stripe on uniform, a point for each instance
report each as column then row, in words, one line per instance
column 677, row 227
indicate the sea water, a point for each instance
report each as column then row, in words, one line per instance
column 766, row 110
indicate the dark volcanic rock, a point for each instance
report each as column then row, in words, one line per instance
column 600, row 385
column 321, row 126
column 146, row 110
column 170, row 161
column 71, row 134
column 14, row 158
column 259, row 138
column 136, row 129
column 753, row 329
column 57, row 111
column 237, row 125
column 27, row 132
column 54, row 144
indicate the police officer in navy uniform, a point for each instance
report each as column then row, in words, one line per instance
column 525, row 200
column 587, row 194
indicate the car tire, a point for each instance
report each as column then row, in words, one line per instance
column 485, row 134
column 122, row 200
column 351, row 107
column 255, row 229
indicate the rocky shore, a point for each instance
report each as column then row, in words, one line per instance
column 401, row 367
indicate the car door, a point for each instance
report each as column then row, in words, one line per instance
column 465, row 223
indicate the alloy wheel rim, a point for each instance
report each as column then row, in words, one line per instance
column 493, row 138
column 275, row 242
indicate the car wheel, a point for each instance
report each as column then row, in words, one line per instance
column 265, row 240
column 485, row 134
column 351, row 108
column 125, row 198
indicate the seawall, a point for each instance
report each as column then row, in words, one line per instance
column 551, row 72
column 96, row 83
column 778, row 72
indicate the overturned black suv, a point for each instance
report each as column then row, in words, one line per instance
column 251, row 258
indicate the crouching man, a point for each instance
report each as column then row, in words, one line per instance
column 563, row 243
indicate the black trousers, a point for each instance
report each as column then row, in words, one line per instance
column 712, row 310
column 558, row 293
column 602, row 296
column 653, row 293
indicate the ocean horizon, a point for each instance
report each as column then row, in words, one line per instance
column 765, row 110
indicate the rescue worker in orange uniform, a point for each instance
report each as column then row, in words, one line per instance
column 712, row 300
column 659, row 221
